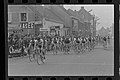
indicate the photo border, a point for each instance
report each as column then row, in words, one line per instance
column 116, row 39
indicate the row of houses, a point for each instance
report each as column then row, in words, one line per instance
column 50, row 20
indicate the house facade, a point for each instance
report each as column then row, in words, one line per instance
column 89, row 21
column 22, row 17
column 34, row 19
column 51, row 23
column 61, row 12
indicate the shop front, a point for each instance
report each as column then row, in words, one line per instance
column 55, row 30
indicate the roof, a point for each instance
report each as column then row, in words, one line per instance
column 18, row 8
column 33, row 8
column 48, row 13
column 86, row 13
column 75, row 14
column 63, row 15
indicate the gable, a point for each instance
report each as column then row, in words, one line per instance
column 50, row 15
column 87, row 15
column 18, row 8
column 75, row 14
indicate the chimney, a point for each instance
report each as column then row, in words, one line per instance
column 82, row 7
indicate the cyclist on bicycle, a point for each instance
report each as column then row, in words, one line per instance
column 78, row 44
column 31, row 45
column 94, row 42
column 108, row 40
column 54, row 44
column 67, row 44
column 104, row 41
column 90, row 42
column 83, row 43
column 40, row 45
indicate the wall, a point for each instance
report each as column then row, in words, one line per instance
column 49, row 23
column 75, row 24
column 14, row 16
column 85, row 15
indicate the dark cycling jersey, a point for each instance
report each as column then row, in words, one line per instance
column 93, row 39
column 108, row 37
column 83, row 40
column 89, row 39
column 55, row 40
column 77, row 40
column 104, row 39
column 67, row 40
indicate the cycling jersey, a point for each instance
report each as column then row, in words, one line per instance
column 104, row 39
column 32, row 42
column 40, row 43
column 83, row 40
column 108, row 37
column 55, row 40
column 77, row 40
column 67, row 40
column 93, row 39
column 89, row 39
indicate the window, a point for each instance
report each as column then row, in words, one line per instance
column 9, row 17
column 23, row 16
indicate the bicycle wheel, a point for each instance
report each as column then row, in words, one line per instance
column 31, row 55
column 40, row 59
column 55, row 49
column 77, row 49
column 34, row 55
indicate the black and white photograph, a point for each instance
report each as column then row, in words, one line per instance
column 119, row 39
column 61, row 40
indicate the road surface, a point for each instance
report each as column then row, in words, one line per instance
column 98, row 62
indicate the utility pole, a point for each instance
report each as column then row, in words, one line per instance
column 43, row 17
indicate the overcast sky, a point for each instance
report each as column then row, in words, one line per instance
column 104, row 12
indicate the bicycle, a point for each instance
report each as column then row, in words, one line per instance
column 104, row 45
column 66, row 48
column 54, row 49
column 40, row 56
column 31, row 54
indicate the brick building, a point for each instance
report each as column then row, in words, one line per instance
column 22, row 17
column 61, row 12
column 41, row 17
column 51, row 22
column 77, row 22
column 88, row 19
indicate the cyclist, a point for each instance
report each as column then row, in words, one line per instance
column 39, row 43
column 94, row 42
column 83, row 44
column 31, row 45
column 104, row 42
column 54, row 43
column 90, row 42
column 67, row 45
column 108, row 40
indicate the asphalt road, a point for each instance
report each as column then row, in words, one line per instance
column 98, row 62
